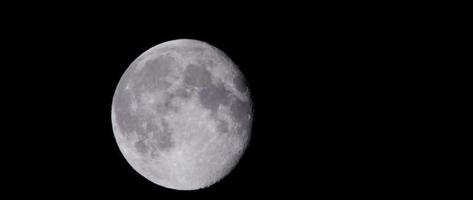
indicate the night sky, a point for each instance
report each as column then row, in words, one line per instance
column 321, row 82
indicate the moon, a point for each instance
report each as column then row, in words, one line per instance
column 182, row 114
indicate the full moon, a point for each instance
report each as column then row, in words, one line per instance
column 182, row 114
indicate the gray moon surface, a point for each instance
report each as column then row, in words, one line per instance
column 182, row 114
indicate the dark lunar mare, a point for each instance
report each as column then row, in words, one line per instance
column 162, row 136
column 213, row 95
column 240, row 112
column 240, row 83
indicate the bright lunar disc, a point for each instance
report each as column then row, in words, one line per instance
column 182, row 114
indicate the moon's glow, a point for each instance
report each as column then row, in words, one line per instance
column 182, row 114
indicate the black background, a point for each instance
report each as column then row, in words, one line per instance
column 325, row 87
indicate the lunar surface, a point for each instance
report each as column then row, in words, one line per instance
column 182, row 114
